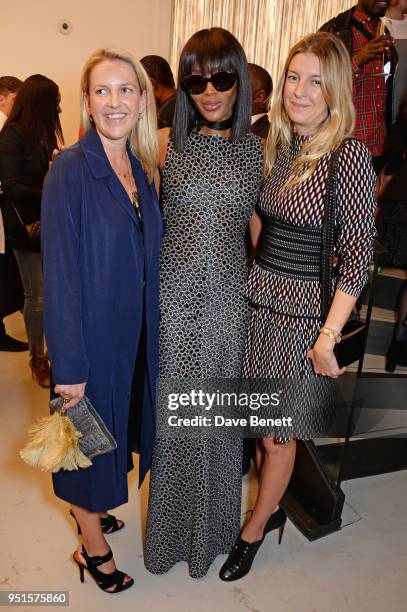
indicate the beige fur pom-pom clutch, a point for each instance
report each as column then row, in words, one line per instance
column 67, row 440
column 54, row 445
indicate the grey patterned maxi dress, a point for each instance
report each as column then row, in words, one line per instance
column 286, row 295
column 209, row 191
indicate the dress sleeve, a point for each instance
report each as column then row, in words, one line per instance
column 355, row 227
column 61, row 239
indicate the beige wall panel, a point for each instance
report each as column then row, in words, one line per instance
column 30, row 41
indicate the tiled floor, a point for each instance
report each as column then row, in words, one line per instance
column 359, row 569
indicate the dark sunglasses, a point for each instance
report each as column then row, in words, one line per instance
column 195, row 84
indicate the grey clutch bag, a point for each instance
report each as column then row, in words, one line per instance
column 95, row 438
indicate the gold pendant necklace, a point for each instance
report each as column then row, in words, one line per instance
column 131, row 189
column 126, row 174
column 135, row 200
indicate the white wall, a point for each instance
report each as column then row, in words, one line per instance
column 30, row 41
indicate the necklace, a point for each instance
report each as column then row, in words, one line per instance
column 126, row 174
column 135, row 199
column 131, row 189
column 217, row 125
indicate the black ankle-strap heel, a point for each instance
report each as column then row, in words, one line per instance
column 104, row 581
column 109, row 523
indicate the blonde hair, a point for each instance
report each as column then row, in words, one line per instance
column 336, row 85
column 143, row 137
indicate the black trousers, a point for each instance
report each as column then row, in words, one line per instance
column 2, row 294
column 378, row 163
column 11, row 289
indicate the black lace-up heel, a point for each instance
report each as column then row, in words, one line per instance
column 240, row 560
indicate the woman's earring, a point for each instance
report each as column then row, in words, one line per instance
column 91, row 119
column 140, row 115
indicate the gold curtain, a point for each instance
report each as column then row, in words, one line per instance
column 266, row 28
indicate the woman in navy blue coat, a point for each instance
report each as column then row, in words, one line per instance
column 101, row 230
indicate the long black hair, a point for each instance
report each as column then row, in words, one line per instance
column 212, row 50
column 35, row 109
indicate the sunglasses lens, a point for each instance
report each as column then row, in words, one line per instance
column 222, row 81
column 194, row 84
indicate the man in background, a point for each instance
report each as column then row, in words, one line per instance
column 359, row 29
column 9, row 275
column 262, row 88
column 162, row 79
column 395, row 21
column 9, row 86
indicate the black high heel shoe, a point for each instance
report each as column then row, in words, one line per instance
column 240, row 560
column 104, row 581
column 109, row 523
column 277, row 521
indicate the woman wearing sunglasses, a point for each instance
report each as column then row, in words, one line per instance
column 211, row 172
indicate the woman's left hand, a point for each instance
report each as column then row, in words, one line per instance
column 55, row 154
column 323, row 357
column 72, row 394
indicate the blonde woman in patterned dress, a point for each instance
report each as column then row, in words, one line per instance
column 312, row 113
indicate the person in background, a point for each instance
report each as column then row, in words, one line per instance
column 359, row 29
column 27, row 140
column 262, row 88
column 396, row 23
column 9, row 85
column 101, row 229
column 165, row 92
column 392, row 227
column 395, row 19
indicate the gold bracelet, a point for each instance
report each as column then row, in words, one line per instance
column 334, row 335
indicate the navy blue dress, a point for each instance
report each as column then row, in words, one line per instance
column 101, row 281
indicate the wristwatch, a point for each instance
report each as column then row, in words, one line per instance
column 334, row 335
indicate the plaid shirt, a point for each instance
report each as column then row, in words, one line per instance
column 369, row 91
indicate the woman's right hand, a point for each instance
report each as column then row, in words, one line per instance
column 323, row 358
column 74, row 392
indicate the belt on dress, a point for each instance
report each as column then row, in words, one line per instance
column 290, row 249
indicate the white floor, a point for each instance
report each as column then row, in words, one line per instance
column 362, row 568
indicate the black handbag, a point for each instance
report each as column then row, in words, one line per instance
column 352, row 345
column 19, row 235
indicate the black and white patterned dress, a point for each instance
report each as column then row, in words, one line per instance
column 286, row 305
column 209, row 191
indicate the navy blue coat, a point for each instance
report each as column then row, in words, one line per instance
column 100, row 276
